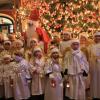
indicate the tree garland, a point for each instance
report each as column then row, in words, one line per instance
column 76, row 15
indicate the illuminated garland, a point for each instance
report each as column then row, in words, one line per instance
column 75, row 15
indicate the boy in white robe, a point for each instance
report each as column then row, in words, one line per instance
column 28, row 52
column 5, row 77
column 1, row 82
column 94, row 61
column 18, row 46
column 65, row 43
column 21, row 77
column 37, row 74
column 76, row 67
column 7, row 48
column 1, row 73
column 54, row 81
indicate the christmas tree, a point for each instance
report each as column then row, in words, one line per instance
column 75, row 15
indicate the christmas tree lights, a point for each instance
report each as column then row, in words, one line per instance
column 75, row 15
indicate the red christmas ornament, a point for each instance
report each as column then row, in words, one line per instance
column 34, row 15
column 94, row 14
column 85, row 19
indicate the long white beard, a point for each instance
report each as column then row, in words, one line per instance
column 31, row 31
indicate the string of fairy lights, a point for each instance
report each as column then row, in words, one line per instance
column 75, row 15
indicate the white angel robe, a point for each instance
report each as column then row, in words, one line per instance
column 37, row 74
column 20, row 80
column 1, row 82
column 94, row 56
column 64, row 45
column 5, row 79
column 76, row 63
column 53, row 91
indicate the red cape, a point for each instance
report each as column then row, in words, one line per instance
column 45, row 37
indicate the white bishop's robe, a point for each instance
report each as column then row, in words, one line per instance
column 20, row 80
column 54, row 73
column 94, row 56
column 37, row 74
column 5, row 80
column 7, row 74
column 1, row 82
column 64, row 45
column 76, row 63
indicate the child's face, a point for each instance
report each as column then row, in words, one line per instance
column 66, row 36
column 55, row 55
column 6, row 60
column 83, row 39
column 18, row 45
column 75, row 46
column 38, row 54
column 7, row 46
column 33, row 43
column 97, row 39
